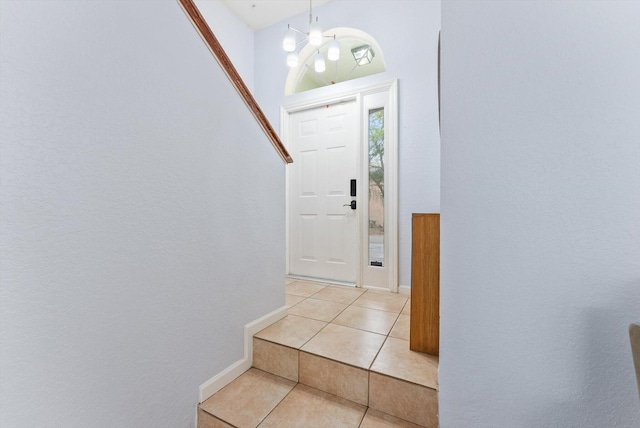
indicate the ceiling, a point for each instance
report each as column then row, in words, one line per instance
column 258, row 14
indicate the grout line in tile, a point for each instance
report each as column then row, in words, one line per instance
column 331, row 301
column 333, row 360
column 230, row 424
column 392, row 327
column 218, row 417
column 376, row 309
column 402, row 380
column 279, row 402
column 315, row 293
column 368, row 331
column 332, row 319
column 300, row 348
column 275, row 343
column 361, row 329
column 324, row 300
column 324, row 285
column 291, row 307
column 377, row 353
column 368, row 391
column 365, row 410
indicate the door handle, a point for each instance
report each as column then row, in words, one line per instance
column 352, row 205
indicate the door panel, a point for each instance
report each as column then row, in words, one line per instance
column 323, row 237
column 308, row 228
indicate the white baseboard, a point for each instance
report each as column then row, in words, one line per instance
column 404, row 289
column 226, row 376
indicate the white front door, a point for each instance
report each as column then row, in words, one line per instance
column 323, row 232
column 334, row 140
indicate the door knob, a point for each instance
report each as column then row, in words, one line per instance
column 352, row 205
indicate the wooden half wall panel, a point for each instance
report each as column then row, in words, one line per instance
column 425, row 284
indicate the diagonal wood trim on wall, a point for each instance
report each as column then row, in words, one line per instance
column 223, row 59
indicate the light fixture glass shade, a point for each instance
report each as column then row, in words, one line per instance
column 333, row 54
column 318, row 63
column 289, row 41
column 363, row 54
column 292, row 59
column 315, row 34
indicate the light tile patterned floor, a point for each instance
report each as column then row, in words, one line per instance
column 371, row 331
column 352, row 330
column 346, row 345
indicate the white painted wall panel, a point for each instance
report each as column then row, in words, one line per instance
column 142, row 220
column 233, row 34
column 540, row 213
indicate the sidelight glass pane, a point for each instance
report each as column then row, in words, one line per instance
column 376, row 187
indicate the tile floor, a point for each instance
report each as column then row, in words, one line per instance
column 340, row 358
column 363, row 328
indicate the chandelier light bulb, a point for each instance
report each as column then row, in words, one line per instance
column 292, row 59
column 333, row 54
column 315, row 34
column 314, row 37
column 289, row 41
column 319, row 64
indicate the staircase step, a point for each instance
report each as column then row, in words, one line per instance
column 405, row 400
column 247, row 400
column 334, row 377
column 259, row 399
column 274, row 358
column 309, row 407
column 349, row 358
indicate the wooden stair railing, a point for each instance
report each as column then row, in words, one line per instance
column 223, row 59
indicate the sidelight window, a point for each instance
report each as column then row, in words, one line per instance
column 376, row 187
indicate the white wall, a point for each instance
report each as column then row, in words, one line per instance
column 540, row 213
column 133, row 247
column 407, row 32
column 234, row 35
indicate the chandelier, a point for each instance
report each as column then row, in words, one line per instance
column 314, row 37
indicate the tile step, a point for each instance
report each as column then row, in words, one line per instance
column 390, row 395
column 340, row 358
column 261, row 399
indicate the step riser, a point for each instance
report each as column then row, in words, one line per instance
column 335, row 378
column 276, row 359
column 405, row 400
column 321, row 373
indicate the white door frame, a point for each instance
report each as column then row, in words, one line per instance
column 391, row 181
